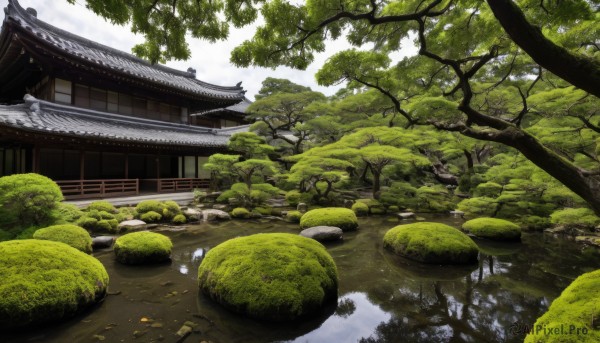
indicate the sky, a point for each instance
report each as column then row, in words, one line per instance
column 211, row 60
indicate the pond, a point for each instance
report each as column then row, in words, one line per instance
column 383, row 298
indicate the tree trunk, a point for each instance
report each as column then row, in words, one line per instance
column 469, row 161
column 578, row 70
column 376, row 183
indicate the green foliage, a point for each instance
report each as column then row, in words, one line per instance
column 170, row 210
column 271, row 86
column 575, row 217
column 5, row 235
column 127, row 213
column 149, row 205
column 293, row 216
column 37, row 290
column 493, row 228
column 534, row 223
column 69, row 212
column 275, row 276
column 478, row 206
column 87, row 223
column 263, row 211
column 250, row 145
column 488, row 189
column 102, row 206
column 433, row 243
column 360, row 209
column 106, row 215
column 393, row 209
column 27, row 199
column 293, row 197
column 240, row 194
column 106, row 225
column 240, row 212
column 143, row 247
column 578, row 305
column 72, row 235
column 199, row 195
column 434, row 199
column 179, row 219
column 374, row 206
column 401, row 194
column 340, row 217
column 151, row 217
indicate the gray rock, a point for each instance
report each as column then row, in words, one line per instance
column 302, row 207
column 457, row 213
column 134, row 224
column 323, row 233
column 219, row 207
column 406, row 215
column 102, row 242
column 193, row 214
column 213, row 215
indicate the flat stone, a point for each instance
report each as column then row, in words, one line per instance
column 213, row 215
column 406, row 215
column 219, row 207
column 134, row 224
column 193, row 214
column 101, row 242
column 457, row 213
column 323, row 233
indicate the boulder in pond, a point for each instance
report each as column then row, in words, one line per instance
column 302, row 207
column 273, row 276
column 493, row 228
column 213, row 215
column 103, row 242
column 143, row 247
column 323, row 233
column 433, row 243
column 192, row 214
column 406, row 215
column 132, row 225
column 37, row 291
column 340, row 217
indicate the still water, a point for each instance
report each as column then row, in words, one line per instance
column 383, row 298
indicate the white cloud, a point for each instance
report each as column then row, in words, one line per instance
column 211, row 60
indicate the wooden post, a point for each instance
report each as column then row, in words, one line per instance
column 158, row 187
column 196, row 166
column 36, row 159
column 81, row 165
column 126, row 166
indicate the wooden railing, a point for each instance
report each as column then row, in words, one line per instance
column 175, row 185
column 79, row 189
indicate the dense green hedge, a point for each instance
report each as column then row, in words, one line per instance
column 340, row 217
column 44, row 281
column 143, row 247
column 431, row 243
column 72, row 235
column 273, row 276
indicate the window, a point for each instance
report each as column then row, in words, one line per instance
column 82, row 96
column 139, row 107
column 98, row 99
column 125, row 104
column 62, row 91
column 113, row 102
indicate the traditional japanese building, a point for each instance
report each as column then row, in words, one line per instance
column 99, row 121
column 233, row 115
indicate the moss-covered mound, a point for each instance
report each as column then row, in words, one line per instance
column 143, row 247
column 343, row 218
column 493, row 228
column 44, row 281
column 574, row 314
column 274, row 276
column 72, row 235
column 431, row 243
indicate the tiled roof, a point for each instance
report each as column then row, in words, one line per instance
column 104, row 57
column 45, row 117
column 239, row 108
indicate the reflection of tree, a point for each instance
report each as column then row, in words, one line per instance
column 345, row 308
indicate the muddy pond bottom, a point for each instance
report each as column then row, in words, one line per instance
column 383, row 298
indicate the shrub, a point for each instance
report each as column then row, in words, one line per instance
column 199, row 195
column 87, row 223
column 434, row 199
column 240, row 212
column 126, row 213
column 534, row 223
column 493, row 228
column 293, row 197
column 340, row 217
column 274, row 276
column 170, row 210
column 393, row 209
column 241, row 195
column 102, row 205
column 94, row 214
column 27, row 199
column 179, row 219
column 478, row 206
column 488, row 189
column 106, row 215
column 293, row 216
column 433, row 243
column 360, row 209
column 38, row 290
column 27, row 233
column 578, row 306
column 143, row 247
column 150, row 217
column 265, row 211
column 575, row 217
column 401, row 194
column 105, row 225
column 148, row 206
column 72, row 235
column 69, row 212
column 5, row 235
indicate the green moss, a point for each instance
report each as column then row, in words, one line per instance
column 360, row 209
column 293, row 216
column 143, row 247
column 577, row 307
column 87, row 223
column 493, row 228
column 149, row 205
column 93, row 214
column 106, row 215
column 377, row 210
column 265, row 211
column 293, row 197
column 151, row 217
column 575, row 217
column 431, row 243
column 240, row 212
column 488, row 189
column 375, row 207
column 102, row 205
column 179, row 219
column 340, row 217
column 273, row 276
column 170, row 210
column 72, row 235
column 393, row 209
column 534, row 223
column 69, row 212
column 45, row 281
column 128, row 213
